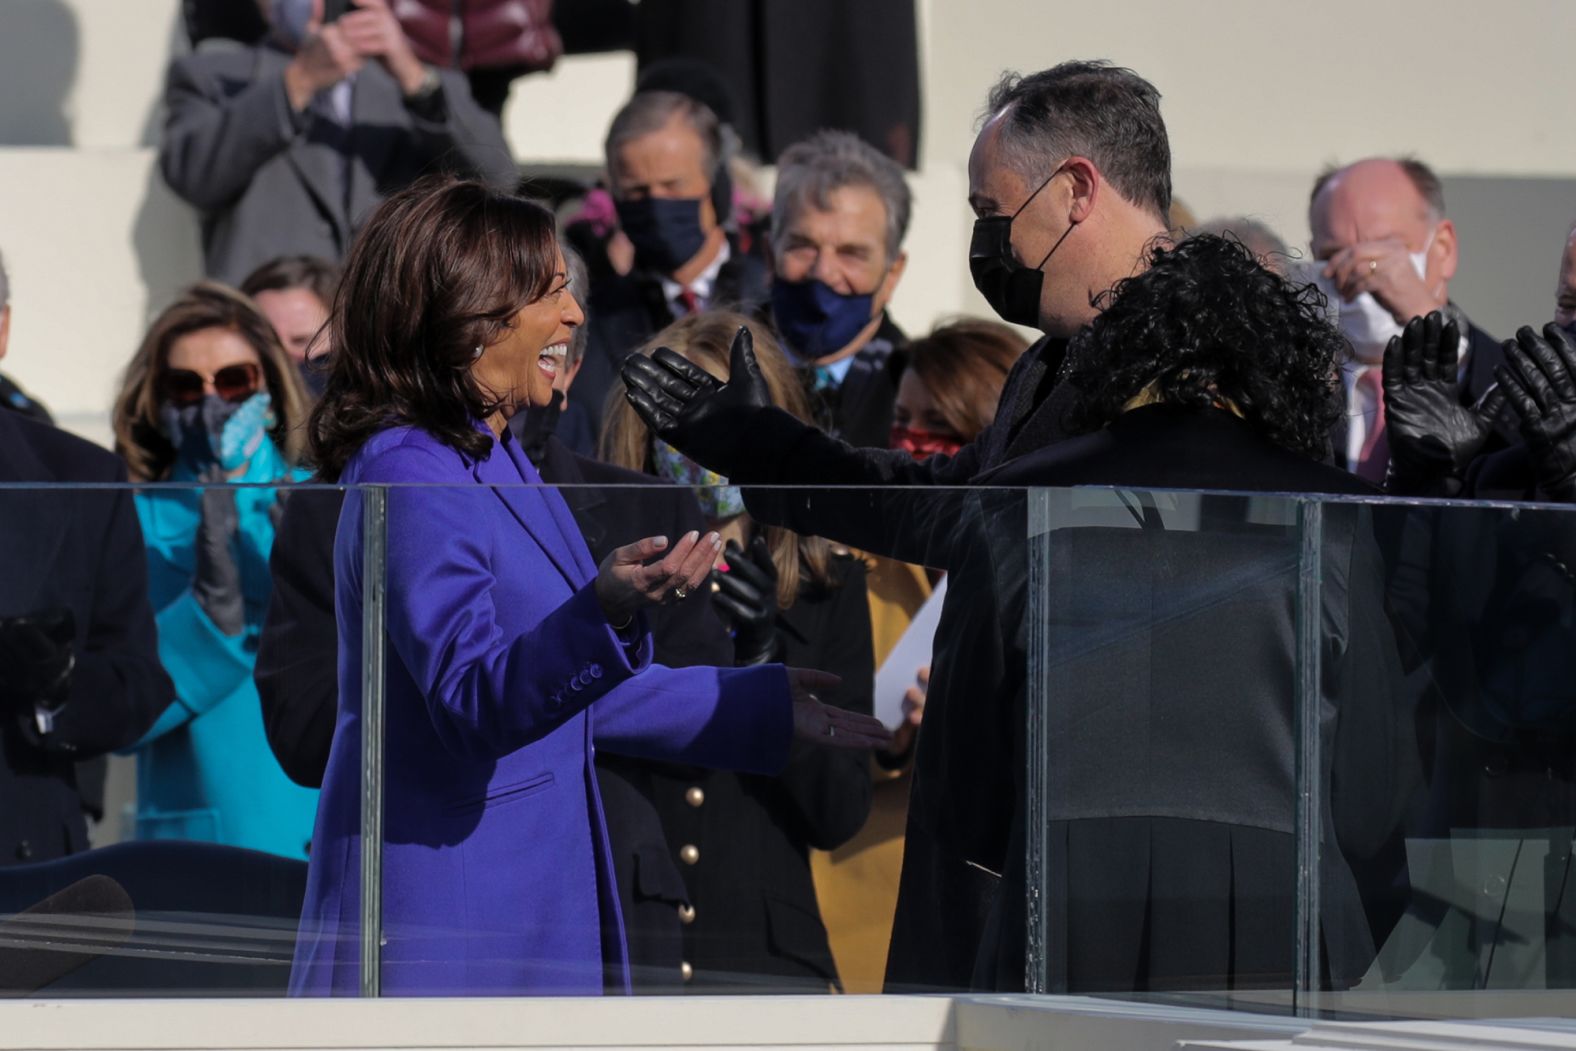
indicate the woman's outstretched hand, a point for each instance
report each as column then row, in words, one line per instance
column 826, row 724
column 628, row 578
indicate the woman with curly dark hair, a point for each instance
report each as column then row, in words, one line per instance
column 1173, row 627
column 1218, row 351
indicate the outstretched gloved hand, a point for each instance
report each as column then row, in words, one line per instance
column 691, row 409
column 1433, row 437
column 1539, row 376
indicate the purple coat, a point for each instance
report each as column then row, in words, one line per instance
column 503, row 678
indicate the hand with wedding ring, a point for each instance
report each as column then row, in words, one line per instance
column 825, row 724
column 1384, row 269
column 629, row 578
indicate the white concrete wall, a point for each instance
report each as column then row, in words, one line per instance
column 1257, row 96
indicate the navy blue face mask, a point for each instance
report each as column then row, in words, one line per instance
column 815, row 320
column 665, row 231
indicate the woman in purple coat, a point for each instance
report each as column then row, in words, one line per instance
column 511, row 656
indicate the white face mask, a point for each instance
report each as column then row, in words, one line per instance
column 1364, row 321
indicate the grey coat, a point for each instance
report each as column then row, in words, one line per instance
column 271, row 182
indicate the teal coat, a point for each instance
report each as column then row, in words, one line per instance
column 205, row 771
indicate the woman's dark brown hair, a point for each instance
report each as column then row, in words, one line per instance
column 963, row 365
column 707, row 340
column 208, row 304
column 440, row 269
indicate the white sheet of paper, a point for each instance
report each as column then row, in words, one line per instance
column 911, row 653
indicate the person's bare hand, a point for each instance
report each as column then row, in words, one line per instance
column 913, row 714
column 373, row 31
column 628, row 578
column 825, row 724
column 323, row 61
column 1384, row 270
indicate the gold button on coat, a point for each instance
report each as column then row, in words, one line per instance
column 686, row 970
column 686, row 914
column 695, row 796
column 689, row 853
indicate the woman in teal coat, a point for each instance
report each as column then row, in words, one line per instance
column 211, row 397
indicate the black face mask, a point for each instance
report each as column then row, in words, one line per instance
column 666, row 232
column 1011, row 289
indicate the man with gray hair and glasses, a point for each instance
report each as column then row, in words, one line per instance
column 12, row 397
column 838, row 221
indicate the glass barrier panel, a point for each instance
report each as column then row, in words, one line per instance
column 135, row 627
column 1461, row 806
column 1164, row 670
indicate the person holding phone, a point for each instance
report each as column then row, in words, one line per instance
column 285, row 146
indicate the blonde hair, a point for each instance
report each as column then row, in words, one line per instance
column 207, row 304
column 706, row 339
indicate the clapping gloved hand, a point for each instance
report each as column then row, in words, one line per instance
column 691, row 409
column 746, row 594
column 1539, row 377
column 1433, row 437
column 37, row 657
column 217, row 583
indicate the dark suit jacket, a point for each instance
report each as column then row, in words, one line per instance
column 756, row 926
column 860, row 410
column 628, row 309
column 297, row 658
column 80, row 549
column 269, row 182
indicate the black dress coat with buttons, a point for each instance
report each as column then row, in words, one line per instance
column 296, row 677
column 79, row 550
column 742, row 841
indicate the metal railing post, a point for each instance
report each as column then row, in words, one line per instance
column 374, row 549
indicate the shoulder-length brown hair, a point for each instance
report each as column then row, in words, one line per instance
column 207, row 304
column 963, row 365
column 441, row 268
column 707, row 340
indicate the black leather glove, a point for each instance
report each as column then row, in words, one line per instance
column 217, row 585
column 36, row 659
column 691, row 409
column 747, row 596
column 1432, row 436
column 1539, row 376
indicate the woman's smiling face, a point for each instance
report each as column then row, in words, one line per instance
column 520, row 367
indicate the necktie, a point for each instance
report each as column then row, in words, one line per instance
column 1375, row 455
column 690, row 300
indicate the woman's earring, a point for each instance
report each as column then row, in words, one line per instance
column 476, row 355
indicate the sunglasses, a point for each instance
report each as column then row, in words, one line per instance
column 232, row 383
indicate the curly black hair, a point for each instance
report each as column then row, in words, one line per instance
column 1206, row 326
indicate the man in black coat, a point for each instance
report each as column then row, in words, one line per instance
column 79, row 667
column 838, row 220
column 667, row 160
column 1054, row 228
column 1388, row 253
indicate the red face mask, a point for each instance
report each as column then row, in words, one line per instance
column 922, row 445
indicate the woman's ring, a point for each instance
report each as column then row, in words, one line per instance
column 1373, row 264
column 680, row 592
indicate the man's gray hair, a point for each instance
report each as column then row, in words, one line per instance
column 650, row 111
column 5, row 286
column 1106, row 113
column 580, row 288
column 1422, row 177
column 808, row 172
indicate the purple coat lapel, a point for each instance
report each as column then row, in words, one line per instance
column 513, row 479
